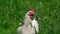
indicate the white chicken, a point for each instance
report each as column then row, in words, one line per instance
column 26, row 28
column 35, row 24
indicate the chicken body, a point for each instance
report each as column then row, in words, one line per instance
column 26, row 28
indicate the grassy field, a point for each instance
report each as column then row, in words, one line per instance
column 12, row 13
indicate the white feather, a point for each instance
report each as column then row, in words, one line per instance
column 35, row 25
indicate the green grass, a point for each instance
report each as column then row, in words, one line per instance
column 12, row 13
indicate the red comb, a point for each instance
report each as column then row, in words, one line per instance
column 31, row 10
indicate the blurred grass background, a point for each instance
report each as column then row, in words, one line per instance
column 12, row 13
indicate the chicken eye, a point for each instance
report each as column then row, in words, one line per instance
column 30, row 13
